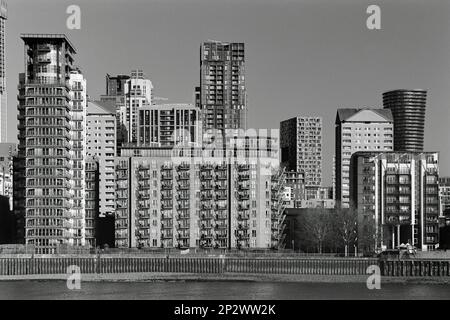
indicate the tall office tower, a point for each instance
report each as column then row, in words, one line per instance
column 168, row 124
column 115, row 98
column 229, row 200
column 49, row 176
column 399, row 193
column 3, row 96
column 358, row 130
column 101, row 144
column 408, row 110
column 223, row 99
column 301, row 147
column 92, row 200
column 138, row 92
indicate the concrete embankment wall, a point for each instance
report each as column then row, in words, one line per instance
column 93, row 264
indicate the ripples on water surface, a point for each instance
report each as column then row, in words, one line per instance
column 218, row 290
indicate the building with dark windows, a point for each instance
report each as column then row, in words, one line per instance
column 399, row 193
column 92, row 200
column 115, row 99
column 301, row 147
column 223, row 99
column 49, row 177
column 408, row 111
column 444, row 196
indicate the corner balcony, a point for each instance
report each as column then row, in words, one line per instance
column 244, row 177
column 183, row 207
column 243, row 196
column 222, row 196
column 243, row 216
column 221, row 177
column 206, row 167
column 243, row 226
column 167, row 206
column 205, row 227
column 184, row 186
column 206, row 197
column 206, row 215
column 183, row 167
column 183, row 176
column 221, row 226
column 206, row 177
column 206, row 186
column 221, row 167
column 166, row 176
column 166, row 186
column 243, row 167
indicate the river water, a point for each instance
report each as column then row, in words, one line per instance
column 229, row 290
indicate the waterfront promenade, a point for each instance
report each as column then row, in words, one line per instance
column 151, row 267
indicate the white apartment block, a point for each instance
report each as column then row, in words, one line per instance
column 358, row 130
column 101, row 145
column 138, row 92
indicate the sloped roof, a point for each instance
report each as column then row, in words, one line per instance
column 100, row 107
column 345, row 114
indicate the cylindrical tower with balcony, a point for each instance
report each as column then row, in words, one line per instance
column 408, row 110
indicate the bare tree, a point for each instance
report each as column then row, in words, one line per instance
column 316, row 227
column 345, row 225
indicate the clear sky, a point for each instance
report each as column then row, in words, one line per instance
column 302, row 57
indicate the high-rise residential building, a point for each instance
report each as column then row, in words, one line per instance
column 408, row 111
column 399, row 193
column 444, row 196
column 168, row 124
column 229, row 200
column 127, row 94
column 3, row 95
column 101, row 145
column 222, row 93
column 115, row 98
column 138, row 92
column 301, row 147
column 49, row 168
column 78, row 102
column 92, row 200
column 358, row 130
column 115, row 85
